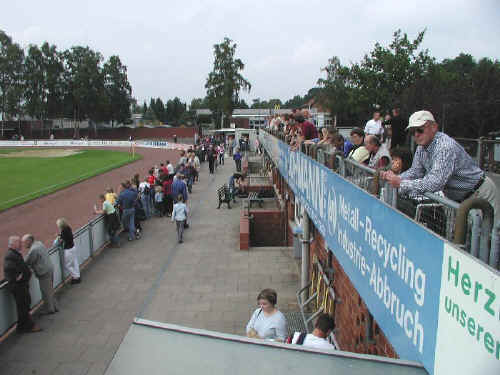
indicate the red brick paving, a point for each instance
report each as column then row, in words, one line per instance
column 75, row 203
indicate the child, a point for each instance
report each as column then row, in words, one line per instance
column 179, row 214
column 159, row 200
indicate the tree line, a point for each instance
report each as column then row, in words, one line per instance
column 462, row 92
column 76, row 83
column 173, row 112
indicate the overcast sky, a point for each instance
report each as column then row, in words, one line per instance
column 168, row 45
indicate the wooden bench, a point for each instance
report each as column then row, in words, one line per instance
column 254, row 197
column 224, row 196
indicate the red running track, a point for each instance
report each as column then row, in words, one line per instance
column 75, row 203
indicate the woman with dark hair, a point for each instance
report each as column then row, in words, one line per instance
column 267, row 322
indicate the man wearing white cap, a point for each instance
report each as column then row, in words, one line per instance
column 440, row 163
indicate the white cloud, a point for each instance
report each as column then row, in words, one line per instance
column 167, row 45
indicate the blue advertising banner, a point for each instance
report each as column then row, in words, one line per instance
column 394, row 264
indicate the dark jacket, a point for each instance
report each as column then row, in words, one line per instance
column 67, row 238
column 179, row 187
column 127, row 198
column 14, row 266
column 398, row 132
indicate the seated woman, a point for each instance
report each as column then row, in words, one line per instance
column 359, row 152
column 267, row 322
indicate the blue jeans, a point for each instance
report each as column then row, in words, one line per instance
column 146, row 204
column 128, row 222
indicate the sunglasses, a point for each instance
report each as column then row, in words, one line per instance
column 417, row 131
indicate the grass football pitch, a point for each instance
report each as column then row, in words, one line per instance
column 26, row 178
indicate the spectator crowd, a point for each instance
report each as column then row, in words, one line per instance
column 162, row 192
column 439, row 165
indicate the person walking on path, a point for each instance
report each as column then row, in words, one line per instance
column 179, row 215
column 220, row 152
column 39, row 261
column 18, row 274
column 237, row 159
column 212, row 157
column 65, row 238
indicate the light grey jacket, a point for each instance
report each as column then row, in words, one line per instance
column 38, row 259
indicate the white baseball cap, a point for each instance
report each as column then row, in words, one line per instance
column 419, row 119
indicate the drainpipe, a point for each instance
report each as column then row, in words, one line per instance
column 305, row 256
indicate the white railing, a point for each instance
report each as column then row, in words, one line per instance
column 88, row 240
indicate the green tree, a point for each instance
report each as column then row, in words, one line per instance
column 84, row 84
column 11, row 75
column 382, row 76
column 258, row 104
column 295, row 102
column 336, row 94
column 118, row 90
column 34, row 83
column 54, row 80
column 225, row 81
column 175, row 110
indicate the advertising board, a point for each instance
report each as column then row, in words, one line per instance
column 435, row 304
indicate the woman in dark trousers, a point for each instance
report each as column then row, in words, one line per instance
column 237, row 159
column 211, row 160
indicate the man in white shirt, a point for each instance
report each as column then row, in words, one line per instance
column 318, row 338
column 374, row 126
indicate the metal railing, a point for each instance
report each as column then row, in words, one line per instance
column 478, row 234
column 88, row 240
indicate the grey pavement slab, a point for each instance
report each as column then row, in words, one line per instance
column 206, row 282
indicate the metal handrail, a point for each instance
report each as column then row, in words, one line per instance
column 56, row 248
column 486, row 225
column 489, row 253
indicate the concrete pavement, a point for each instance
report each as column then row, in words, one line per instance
column 206, row 282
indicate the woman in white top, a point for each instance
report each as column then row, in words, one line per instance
column 267, row 322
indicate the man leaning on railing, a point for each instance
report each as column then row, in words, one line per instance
column 440, row 163
column 18, row 275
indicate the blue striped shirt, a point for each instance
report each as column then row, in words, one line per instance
column 441, row 165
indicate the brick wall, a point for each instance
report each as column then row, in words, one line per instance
column 244, row 232
column 352, row 317
column 31, row 131
column 351, row 314
column 266, row 228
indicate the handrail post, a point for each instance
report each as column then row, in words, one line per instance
column 305, row 255
column 495, row 247
column 91, row 239
column 475, row 233
column 479, row 153
column 60, row 252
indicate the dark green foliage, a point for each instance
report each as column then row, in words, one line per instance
column 74, row 83
column 462, row 93
column 225, row 81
